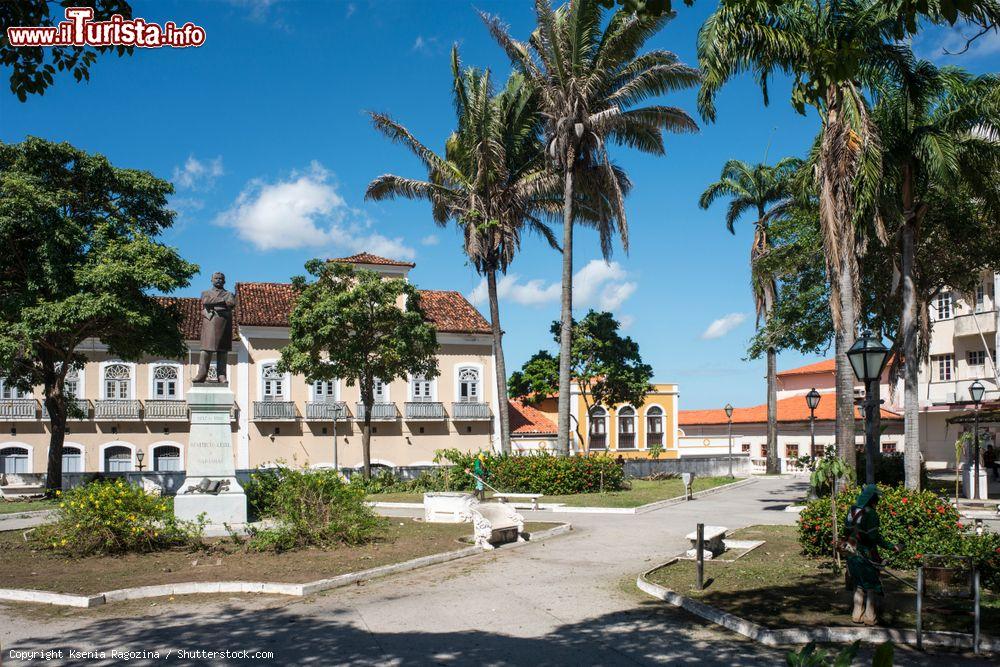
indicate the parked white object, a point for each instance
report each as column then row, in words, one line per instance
column 447, row 506
column 495, row 524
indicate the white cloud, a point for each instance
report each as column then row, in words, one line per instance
column 305, row 211
column 430, row 239
column 510, row 288
column 425, row 44
column 598, row 285
column 351, row 8
column 723, row 326
column 198, row 174
column 626, row 321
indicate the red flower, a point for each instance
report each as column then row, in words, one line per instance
column 940, row 509
column 958, row 523
column 905, row 500
column 918, row 556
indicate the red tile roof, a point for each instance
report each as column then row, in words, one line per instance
column 368, row 258
column 270, row 305
column 526, row 420
column 792, row 409
column 825, row 366
column 189, row 309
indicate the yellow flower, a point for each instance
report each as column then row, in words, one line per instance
column 64, row 541
column 62, row 504
column 58, row 492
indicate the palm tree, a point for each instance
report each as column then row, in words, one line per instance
column 491, row 181
column 590, row 79
column 766, row 191
column 940, row 131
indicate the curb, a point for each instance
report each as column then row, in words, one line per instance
column 782, row 637
column 649, row 507
column 390, row 505
column 266, row 587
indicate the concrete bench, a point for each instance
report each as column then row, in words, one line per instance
column 495, row 524
column 713, row 536
column 533, row 497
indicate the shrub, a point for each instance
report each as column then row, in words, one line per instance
column 920, row 521
column 538, row 473
column 315, row 508
column 106, row 517
column 260, row 489
column 889, row 470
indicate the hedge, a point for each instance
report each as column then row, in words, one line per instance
column 538, row 472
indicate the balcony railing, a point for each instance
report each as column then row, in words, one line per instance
column 162, row 410
column 653, row 439
column 274, row 411
column 18, row 409
column 425, row 410
column 626, row 441
column 973, row 324
column 326, row 411
column 470, row 411
column 598, row 441
column 380, row 412
column 117, row 410
column 82, row 409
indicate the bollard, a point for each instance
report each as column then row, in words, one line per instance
column 975, row 629
column 700, row 550
column 920, row 606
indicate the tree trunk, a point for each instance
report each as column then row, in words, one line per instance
column 55, row 403
column 501, row 370
column 368, row 400
column 566, row 323
column 908, row 323
column 844, row 338
column 773, row 463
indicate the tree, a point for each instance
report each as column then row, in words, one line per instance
column 32, row 68
column 590, row 79
column 537, row 379
column 82, row 258
column 939, row 130
column 766, row 191
column 491, row 182
column 349, row 324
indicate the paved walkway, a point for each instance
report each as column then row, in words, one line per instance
column 566, row 601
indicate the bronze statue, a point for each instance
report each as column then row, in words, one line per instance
column 216, row 328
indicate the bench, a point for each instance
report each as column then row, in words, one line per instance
column 713, row 536
column 495, row 524
column 533, row 497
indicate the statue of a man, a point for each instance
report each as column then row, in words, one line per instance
column 216, row 327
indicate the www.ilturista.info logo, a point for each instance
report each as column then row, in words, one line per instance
column 79, row 29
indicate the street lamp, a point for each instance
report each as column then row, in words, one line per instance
column 868, row 356
column 139, row 456
column 729, row 416
column 812, row 400
column 976, row 391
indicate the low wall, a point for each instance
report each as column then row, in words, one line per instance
column 701, row 466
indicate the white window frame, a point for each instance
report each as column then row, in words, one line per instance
column 161, row 444
column 429, row 390
column 981, row 363
column 661, row 414
column 480, row 382
column 81, row 385
column 633, row 419
column 12, row 389
column 30, row 458
column 600, row 413
column 333, row 397
column 104, row 385
column 286, row 383
column 101, row 467
column 179, row 388
column 943, row 302
column 979, row 298
column 384, row 396
column 938, row 361
column 83, row 453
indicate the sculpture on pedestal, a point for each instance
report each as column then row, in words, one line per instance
column 217, row 306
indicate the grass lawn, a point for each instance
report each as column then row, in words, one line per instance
column 777, row 586
column 23, row 566
column 7, row 507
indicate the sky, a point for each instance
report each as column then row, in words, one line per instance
column 264, row 132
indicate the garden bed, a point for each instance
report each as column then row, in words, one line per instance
column 779, row 587
column 16, row 506
column 24, row 566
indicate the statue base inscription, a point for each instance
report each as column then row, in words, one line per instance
column 210, row 487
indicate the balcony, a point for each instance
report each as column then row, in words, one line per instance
column 274, row 411
column 381, row 412
column 654, row 439
column 326, row 411
column 974, row 323
column 425, row 411
column 166, row 411
column 82, row 409
column 18, row 409
column 598, row 441
column 117, row 410
column 470, row 411
column 626, row 441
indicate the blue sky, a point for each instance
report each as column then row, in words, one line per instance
column 263, row 131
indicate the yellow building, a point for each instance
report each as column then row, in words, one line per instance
column 622, row 429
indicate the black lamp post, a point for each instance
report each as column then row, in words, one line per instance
column 812, row 400
column 868, row 356
column 139, row 456
column 976, row 391
column 729, row 416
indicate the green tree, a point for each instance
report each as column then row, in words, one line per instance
column 537, row 379
column 591, row 79
column 764, row 190
column 349, row 324
column 83, row 256
column 490, row 181
column 33, row 67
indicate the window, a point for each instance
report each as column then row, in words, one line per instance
column 763, row 450
column 468, row 385
column 117, row 382
column 598, row 428
column 818, row 451
column 745, row 448
column 421, row 389
column 14, row 460
column 9, row 391
column 273, row 383
column 165, row 382
column 166, row 457
column 941, row 307
column 71, row 383
column 117, row 459
column 325, row 391
column 980, row 298
column 381, row 391
column 943, row 365
column 654, row 426
column 977, row 359
column 792, row 451
column 888, row 448
column 72, row 459
column 626, row 427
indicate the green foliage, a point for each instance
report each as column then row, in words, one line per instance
column 537, row 379
column 436, row 479
column 537, row 473
column 655, row 450
column 314, row 508
column 809, row 656
column 829, row 468
column 889, row 470
column 109, row 518
column 260, row 490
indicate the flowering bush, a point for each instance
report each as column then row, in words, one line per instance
column 920, row 521
column 107, row 517
column 538, row 473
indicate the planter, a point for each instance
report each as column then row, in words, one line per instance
column 447, row 506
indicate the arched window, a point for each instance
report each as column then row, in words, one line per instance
column 468, row 385
column 14, row 461
column 166, row 382
column 654, row 426
column 166, row 457
column 598, row 428
column 626, row 427
column 71, row 383
column 273, row 383
column 421, row 389
column 117, row 381
column 117, row 459
column 72, row 458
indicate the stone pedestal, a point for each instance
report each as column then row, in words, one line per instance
column 969, row 482
column 210, row 457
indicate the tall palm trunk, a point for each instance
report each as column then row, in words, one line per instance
column 908, row 321
column 566, row 323
column 844, row 338
column 773, row 463
column 501, row 371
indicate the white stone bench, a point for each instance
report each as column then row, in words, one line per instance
column 447, row 506
column 495, row 524
column 713, row 537
column 533, row 497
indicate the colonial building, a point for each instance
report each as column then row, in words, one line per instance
column 133, row 415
